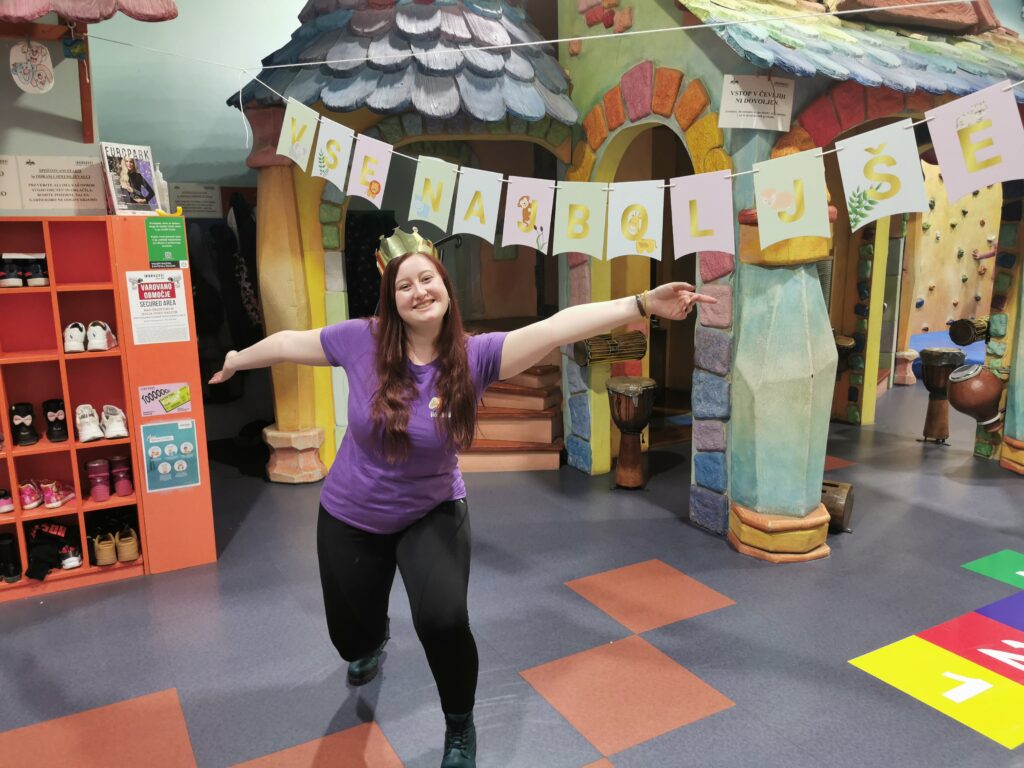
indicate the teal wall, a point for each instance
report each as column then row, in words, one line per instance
column 1009, row 13
column 172, row 105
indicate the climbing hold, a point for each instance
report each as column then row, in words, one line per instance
column 982, row 270
column 952, row 225
column 991, row 239
column 963, row 211
column 975, row 192
column 938, row 236
column 959, row 253
column 931, row 204
column 931, row 286
column 926, row 226
column 982, row 222
column 956, row 302
column 963, row 278
column 925, row 327
column 940, row 178
column 977, row 297
column 949, row 321
column 919, row 303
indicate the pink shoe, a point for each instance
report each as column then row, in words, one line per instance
column 98, row 471
column 121, row 475
column 30, row 495
column 56, row 493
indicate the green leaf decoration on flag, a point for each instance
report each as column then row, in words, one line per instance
column 321, row 162
column 860, row 205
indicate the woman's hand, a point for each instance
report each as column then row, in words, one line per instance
column 674, row 301
column 227, row 371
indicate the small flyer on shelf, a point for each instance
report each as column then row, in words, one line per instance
column 128, row 170
column 156, row 301
column 165, row 399
column 171, row 460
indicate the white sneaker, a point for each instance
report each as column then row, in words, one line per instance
column 74, row 338
column 88, row 423
column 112, row 422
column 99, row 337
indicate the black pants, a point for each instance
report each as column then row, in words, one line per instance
column 357, row 569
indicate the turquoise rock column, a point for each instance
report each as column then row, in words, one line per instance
column 1012, row 456
column 783, row 378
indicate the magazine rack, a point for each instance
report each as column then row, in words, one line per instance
column 87, row 260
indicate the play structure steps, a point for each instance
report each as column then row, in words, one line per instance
column 518, row 424
column 510, row 456
column 538, row 377
column 504, row 395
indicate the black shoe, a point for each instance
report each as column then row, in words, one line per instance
column 35, row 274
column 361, row 671
column 56, row 420
column 10, row 274
column 10, row 560
column 459, row 741
column 22, row 430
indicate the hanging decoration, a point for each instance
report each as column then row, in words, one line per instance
column 635, row 218
column 702, row 213
column 432, row 192
column 791, row 198
column 370, row 168
column 334, row 150
column 881, row 173
column 528, row 205
column 297, row 132
column 478, row 204
column 580, row 218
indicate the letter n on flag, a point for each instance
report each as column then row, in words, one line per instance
column 702, row 218
column 432, row 192
column 978, row 140
column 297, row 132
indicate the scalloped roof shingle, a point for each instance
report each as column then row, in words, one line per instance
column 87, row 11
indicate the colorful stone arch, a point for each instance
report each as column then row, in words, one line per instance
column 647, row 96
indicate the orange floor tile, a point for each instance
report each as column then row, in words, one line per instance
column 648, row 595
column 602, row 763
column 624, row 693
column 148, row 730
column 831, row 462
column 361, row 747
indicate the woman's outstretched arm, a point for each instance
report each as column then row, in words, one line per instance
column 526, row 346
column 301, row 347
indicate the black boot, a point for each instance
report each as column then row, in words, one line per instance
column 22, row 429
column 361, row 671
column 56, row 420
column 459, row 741
column 10, row 560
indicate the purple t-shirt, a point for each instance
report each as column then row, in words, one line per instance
column 362, row 488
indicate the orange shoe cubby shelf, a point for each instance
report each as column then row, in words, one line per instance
column 88, row 259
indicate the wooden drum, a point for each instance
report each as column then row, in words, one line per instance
column 936, row 366
column 976, row 391
column 631, row 399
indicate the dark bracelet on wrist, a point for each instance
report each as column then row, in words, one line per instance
column 640, row 305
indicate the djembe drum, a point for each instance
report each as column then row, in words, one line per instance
column 936, row 366
column 976, row 391
column 632, row 402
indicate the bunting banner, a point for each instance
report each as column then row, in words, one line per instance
column 635, row 218
column 702, row 213
column 297, row 132
column 370, row 169
column 432, row 192
column 528, row 205
column 478, row 204
column 334, row 150
column 978, row 140
column 881, row 173
column 580, row 218
column 791, row 198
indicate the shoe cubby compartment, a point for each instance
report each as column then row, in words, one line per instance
column 41, row 467
column 22, row 237
column 85, row 307
column 12, row 561
column 31, row 383
column 109, row 451
column 27, row 328
column 79, row 253
column 7, row 485
column 110, row 522
column 52, row 541
column 96, row 381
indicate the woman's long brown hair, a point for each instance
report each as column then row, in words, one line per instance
column 390, row 407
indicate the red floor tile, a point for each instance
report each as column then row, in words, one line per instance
column 361, row 747
column 648, row 595
column 624, row 693
column 148, row 730
column 832, row 462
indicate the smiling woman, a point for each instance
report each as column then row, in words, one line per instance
column 394, row 498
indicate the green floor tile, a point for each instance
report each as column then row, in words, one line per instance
column 1006, row 566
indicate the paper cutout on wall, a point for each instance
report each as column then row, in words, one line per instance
column 791, row 198
column 370, row 167
column 702, row 214
column 31, row 67
column 978, row 140
column 528, row 207
column 881, row 173
column 432, row 192
column 333, row 151
column 580, row 210
column 297, row 133
column 478, row 204
column 635, row 219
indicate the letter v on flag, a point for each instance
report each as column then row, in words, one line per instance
column 297, row 132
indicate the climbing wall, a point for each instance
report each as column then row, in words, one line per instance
column 950, row 257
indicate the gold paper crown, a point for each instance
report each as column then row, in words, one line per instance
column 401, row 243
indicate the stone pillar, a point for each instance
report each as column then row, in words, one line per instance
column 294, row 439
column 1012, row 456
column 783, row 378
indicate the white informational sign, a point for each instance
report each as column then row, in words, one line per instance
column 753, row 101
column 197, row 201
column 158, row 307
column 10, row 192
column 61, row 184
